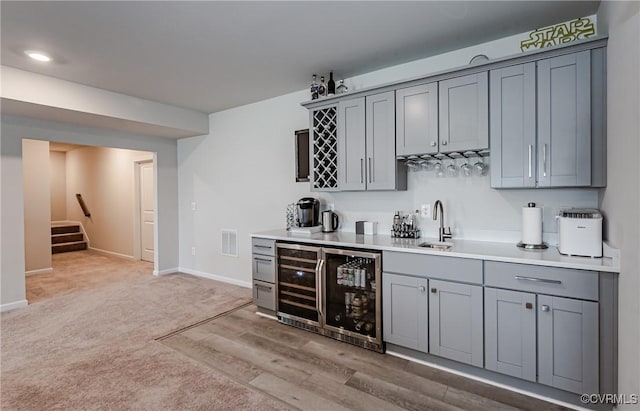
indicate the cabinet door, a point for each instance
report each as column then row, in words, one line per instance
column 564, row 120
column 381, row 141
column 351, row 144
column 510, row 332
column 568, row 344
column 455, row 321
column 464, row 113
column 513, row 126
column 417, row 120
column 404, row 311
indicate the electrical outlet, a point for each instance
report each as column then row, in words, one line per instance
column 193, row 251
column 425, row 211
column 193, row 206
column 331, row 207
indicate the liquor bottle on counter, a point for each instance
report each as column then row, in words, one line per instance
column 314, row 88
column 331, row 85
column 322, row 88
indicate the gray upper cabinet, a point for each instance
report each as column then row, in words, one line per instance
column 381, row 164
column 366, row 145
column 547, row 122
column 455, row 321
column 404, row 316
column 417, row 119
column 564, row 120
column 351, row 144
column 510, row 332
column 568, row 344
column 464, row 113
column 513, row 126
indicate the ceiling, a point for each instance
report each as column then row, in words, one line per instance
column 210, row 56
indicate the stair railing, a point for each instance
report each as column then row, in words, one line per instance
column 84, row 207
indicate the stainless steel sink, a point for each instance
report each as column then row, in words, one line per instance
column 436, row 246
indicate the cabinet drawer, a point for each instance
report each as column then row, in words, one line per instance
column 565, row 282
column 264, row 268
column 433, row 266
column 264, row 295
column 263, row 246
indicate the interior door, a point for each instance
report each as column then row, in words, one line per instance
column 147, row 212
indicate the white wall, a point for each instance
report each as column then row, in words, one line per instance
column 37, row 213
column 242, row 176
column 106, row 179
column 58, row 178
column 620, row 201
column 14, row 129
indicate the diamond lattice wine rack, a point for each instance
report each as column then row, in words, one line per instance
column 325, row 149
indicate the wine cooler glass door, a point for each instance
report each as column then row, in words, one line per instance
column 352, row 304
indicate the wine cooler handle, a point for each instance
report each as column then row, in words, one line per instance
column 318, row 284
column 320, row 293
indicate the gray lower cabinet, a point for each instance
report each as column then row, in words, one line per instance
column 510, row 332
column 568, row 344
column 417, row 120
column 405, row 311
column 263, row 268
column 464, row 113
column 366, row 145
column 455, row 321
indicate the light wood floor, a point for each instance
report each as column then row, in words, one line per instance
column 312, row 372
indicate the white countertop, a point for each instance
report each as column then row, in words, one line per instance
column 480, row 250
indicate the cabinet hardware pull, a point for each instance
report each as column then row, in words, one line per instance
column 528, row 306
column 544, row 160
column 263, row 260
column 444, row 142
column 262, row 246
column 361, row 170
column 544, row 308
column 433, row 144
column 538, row 280
column 263, row 286
column 530, row 159
column 434, row 290
column 370, row 177
column 421, row 288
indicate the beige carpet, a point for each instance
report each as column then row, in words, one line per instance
column 94, row 349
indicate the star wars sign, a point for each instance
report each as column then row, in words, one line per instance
column 577, row 29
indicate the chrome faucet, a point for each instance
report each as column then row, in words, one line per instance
column 443, row 233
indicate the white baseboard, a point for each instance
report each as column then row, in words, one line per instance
column 167, row 271
column 112, row 254
column 222, row 278
column 13, row 305
column 487, row 381
column 40, row 271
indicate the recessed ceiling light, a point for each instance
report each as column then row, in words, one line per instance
column 38, row 55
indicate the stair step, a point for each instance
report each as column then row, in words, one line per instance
column 65, row 247
column 65, row 229
column 66, row 238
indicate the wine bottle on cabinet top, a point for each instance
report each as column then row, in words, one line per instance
column 322, row 88
column 314, row 88
column 342, row 88
column 331, row 85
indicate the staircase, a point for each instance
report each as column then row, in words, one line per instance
column 66, row 238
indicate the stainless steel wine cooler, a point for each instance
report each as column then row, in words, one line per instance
column 334, row 292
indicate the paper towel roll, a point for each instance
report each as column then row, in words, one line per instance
column 532, row 225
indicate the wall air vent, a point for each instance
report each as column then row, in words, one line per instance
column 230, row 242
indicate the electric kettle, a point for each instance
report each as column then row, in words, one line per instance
column 330, row 221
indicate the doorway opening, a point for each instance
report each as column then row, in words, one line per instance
column 86, row 208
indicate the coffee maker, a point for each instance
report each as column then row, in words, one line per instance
column 308, row 212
